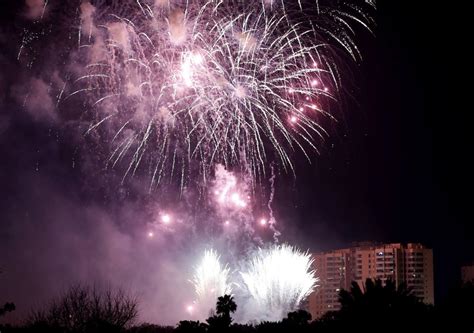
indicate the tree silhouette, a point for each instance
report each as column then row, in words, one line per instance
column 297, row 318
column 457, row 310
column 225, row 305
column 188, row 326
column 378, row 306
column 269, row 327
column 222, row 320
column 151, row 328
column 85, row 309
column 8, row 307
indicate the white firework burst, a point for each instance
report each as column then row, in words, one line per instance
column 210, row 280
column 278, row 280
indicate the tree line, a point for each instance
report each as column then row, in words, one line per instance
column 377, row 307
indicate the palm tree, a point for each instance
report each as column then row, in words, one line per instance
column 222, row 320
column 225, row 305
column 377, row 305
column 377, row 296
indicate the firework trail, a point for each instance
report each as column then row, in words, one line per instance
column 210, row 280
column 278, row 279
column 239, row 83
column 272, row 220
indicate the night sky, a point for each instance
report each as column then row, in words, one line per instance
column 395, row 169
column 399, row 170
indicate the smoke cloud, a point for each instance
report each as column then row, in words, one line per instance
column 35, row 97
column 35, row 9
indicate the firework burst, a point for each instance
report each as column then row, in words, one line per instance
column 210, row 280
column 278, row 280
column 213, row 82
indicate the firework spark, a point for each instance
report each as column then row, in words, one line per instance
column 210, row 280
column 278, row 279
column 213, row 82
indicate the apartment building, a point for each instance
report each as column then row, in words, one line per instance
column 403, row 263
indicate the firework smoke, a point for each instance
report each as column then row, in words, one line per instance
column 229, row 194
column 182, row 86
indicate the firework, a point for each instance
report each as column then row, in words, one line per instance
column 229, row 194
column 277, row 280
column 190, row 309
column 166, row 218
column 232, row 82
column 210, row 280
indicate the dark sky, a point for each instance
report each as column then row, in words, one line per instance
column 399, row 170
column 394, row 170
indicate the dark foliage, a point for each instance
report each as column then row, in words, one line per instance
column 377, row 307
column 151, row 328
column 82, row 309
column 456, row 312
column 187, row 326
column 222, row 320
column 8, row 307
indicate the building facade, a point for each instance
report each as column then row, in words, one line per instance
column 467, row 273
column 402, row 263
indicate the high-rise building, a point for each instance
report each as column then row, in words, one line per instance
column 467, row 273
column 411, row 264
